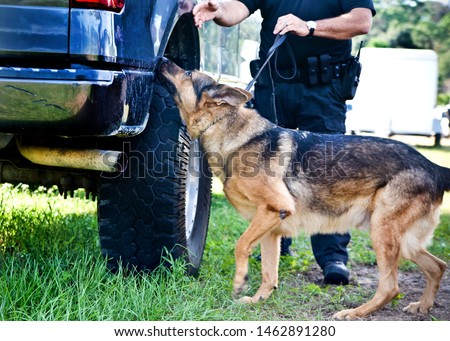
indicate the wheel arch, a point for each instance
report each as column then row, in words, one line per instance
column 183, row 45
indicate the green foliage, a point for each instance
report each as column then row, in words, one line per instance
column 443, row 99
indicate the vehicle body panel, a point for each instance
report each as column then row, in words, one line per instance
column 31, row 30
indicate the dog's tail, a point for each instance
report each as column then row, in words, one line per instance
column 445, row 178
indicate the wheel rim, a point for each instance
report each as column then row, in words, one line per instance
column 192, row 186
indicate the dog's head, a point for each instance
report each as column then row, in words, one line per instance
column 200, row 99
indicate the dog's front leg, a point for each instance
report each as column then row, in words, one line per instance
column 270, row 257
column 263, row 222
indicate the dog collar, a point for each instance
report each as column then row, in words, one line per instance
column 211, row 124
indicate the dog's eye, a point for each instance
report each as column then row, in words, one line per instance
column 188, row 73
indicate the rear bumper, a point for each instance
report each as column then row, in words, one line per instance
column 74, row 102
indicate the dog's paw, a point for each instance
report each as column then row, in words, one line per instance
column 246, row 300
column 239, row 286
column 416, row 307
column 250, row 300
column 348, row 314
column 238, row 290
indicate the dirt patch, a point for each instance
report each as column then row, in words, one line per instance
column 411, row 284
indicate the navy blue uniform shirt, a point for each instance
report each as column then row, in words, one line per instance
column 303, row 47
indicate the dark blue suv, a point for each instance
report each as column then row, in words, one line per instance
column 80, row 108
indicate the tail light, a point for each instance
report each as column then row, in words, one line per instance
column 108, row 5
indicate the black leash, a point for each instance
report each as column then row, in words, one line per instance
column 278, row 41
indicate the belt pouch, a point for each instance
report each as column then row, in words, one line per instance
column 325, row 68
column 264, row 77
column 313, row 70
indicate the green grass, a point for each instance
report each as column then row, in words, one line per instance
column 51, row 267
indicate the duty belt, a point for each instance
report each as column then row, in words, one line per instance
column 312, row 73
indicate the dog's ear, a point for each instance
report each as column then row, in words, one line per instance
column 224, row 94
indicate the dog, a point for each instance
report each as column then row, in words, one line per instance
column 285, row 181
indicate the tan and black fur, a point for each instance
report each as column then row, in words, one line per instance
column 285, row 181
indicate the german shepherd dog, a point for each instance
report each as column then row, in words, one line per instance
column 285, row 181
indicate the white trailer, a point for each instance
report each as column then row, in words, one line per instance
column 397, row 94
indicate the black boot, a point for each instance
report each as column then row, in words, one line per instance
column 335, row 272
column 285, row 244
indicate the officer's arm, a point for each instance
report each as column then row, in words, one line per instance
column 226, row 13
column 357, row 21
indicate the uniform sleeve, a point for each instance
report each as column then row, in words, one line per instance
column 252, row 5
column 348, row 5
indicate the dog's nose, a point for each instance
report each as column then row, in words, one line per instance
column 162, row 64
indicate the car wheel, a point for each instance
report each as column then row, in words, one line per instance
column 160, row 204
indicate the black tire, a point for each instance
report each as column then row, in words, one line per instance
column 160, row 203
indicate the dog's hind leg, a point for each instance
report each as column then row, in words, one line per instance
column 400, row 228
column 386, row 243
column 413, row 248
column 433, row 269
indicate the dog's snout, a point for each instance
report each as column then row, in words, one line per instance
column 163, row 70
column 168, row 66
column 163, row 64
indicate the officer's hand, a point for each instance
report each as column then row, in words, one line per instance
column 205, row 11
column 291, row 23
